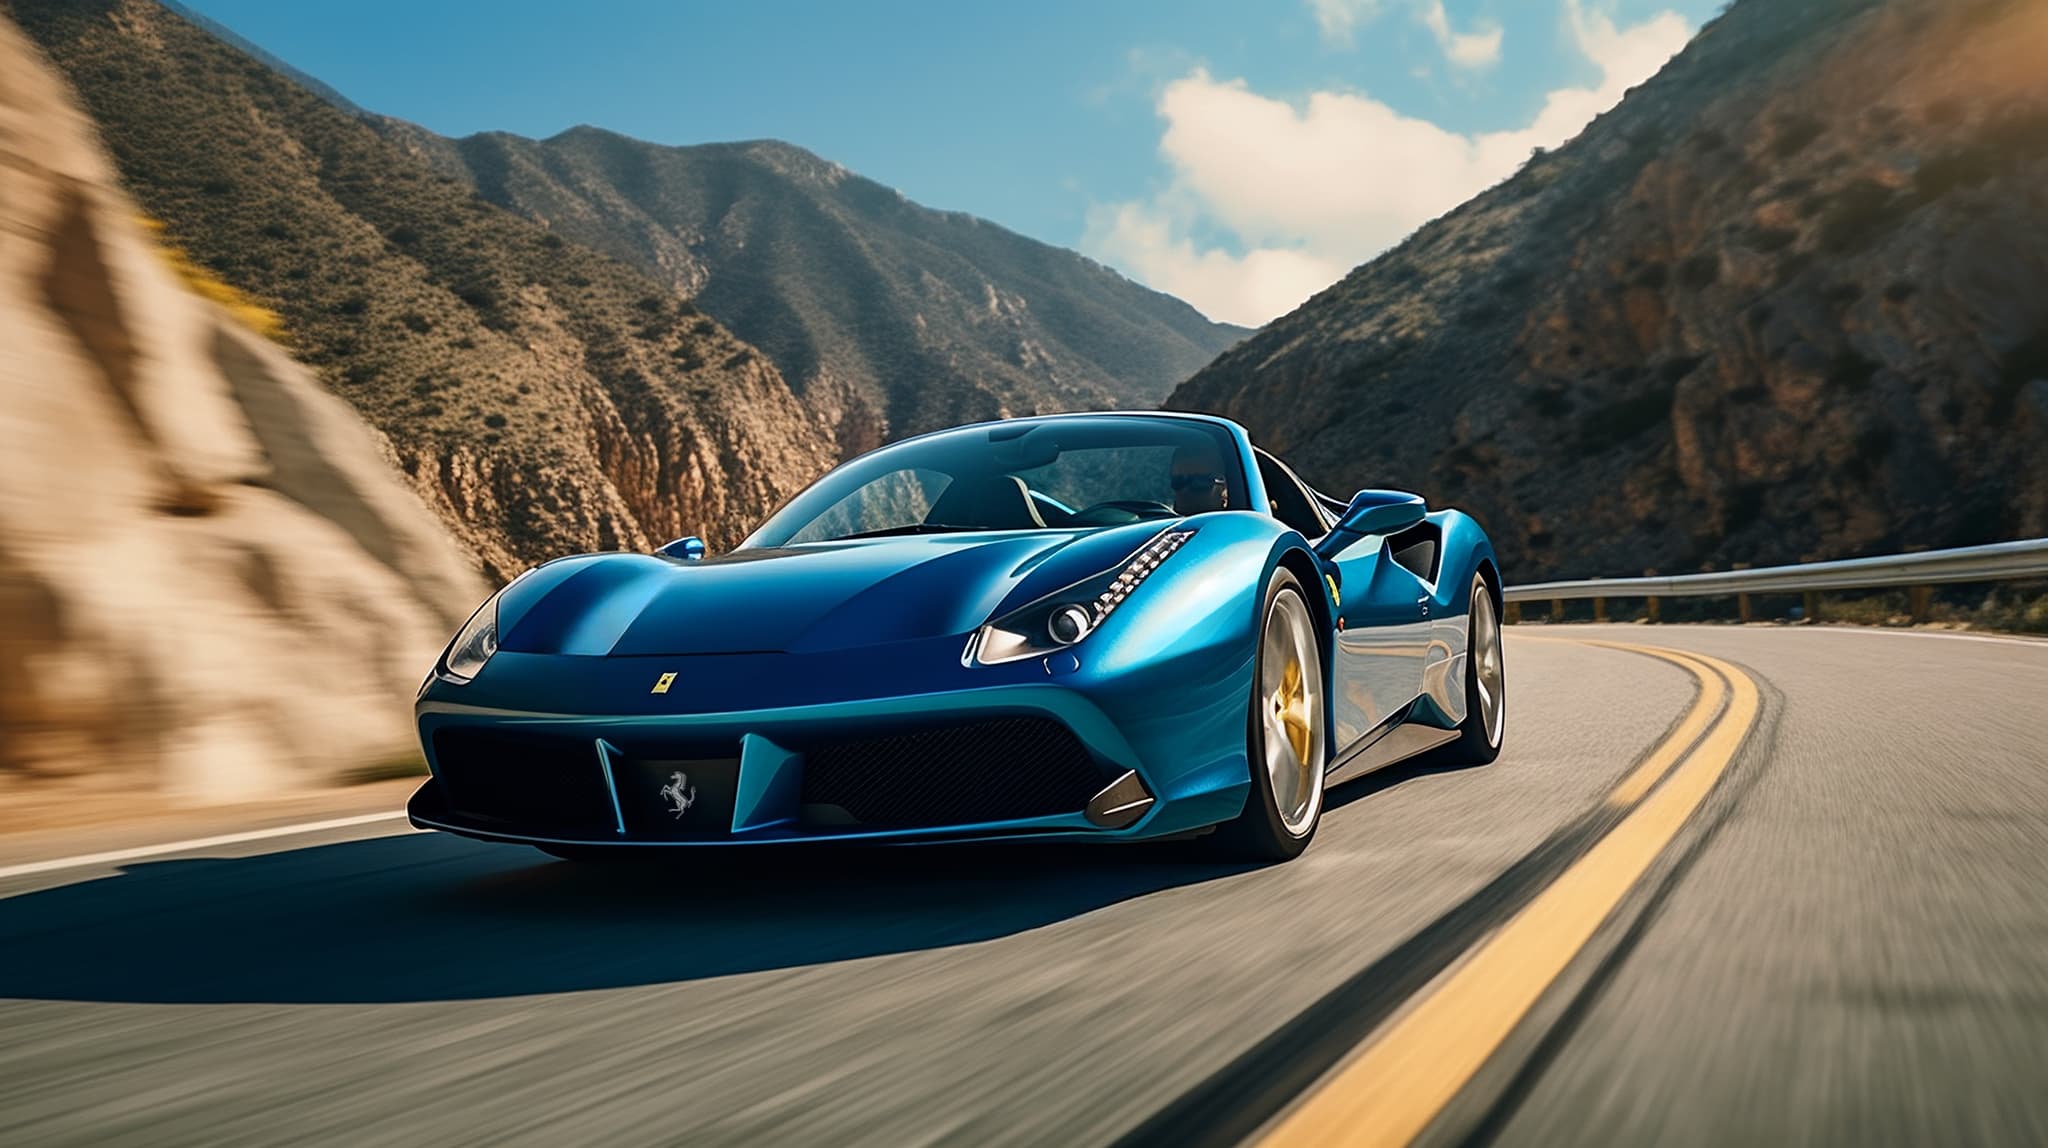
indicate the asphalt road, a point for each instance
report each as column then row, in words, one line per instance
column 1847, row 943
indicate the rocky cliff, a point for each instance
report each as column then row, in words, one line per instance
column 212, row 581
column 1789, row 300
column 542, row 397
column 888, row 317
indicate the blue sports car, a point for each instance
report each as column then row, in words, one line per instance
column 1092, row 627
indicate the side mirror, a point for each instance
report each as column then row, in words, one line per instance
column 1381, row 512
column 690, row 549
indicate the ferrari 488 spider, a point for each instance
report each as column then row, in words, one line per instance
column 1073, row 627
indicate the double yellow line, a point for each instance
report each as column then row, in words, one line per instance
column 1388, row 1091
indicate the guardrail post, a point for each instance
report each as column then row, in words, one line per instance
column 1742, row 610
column 1809, row 605
column 1651, row 606
column 1599, row 609
column 1557, row 609
column 1514, row 613
column 1919, row 599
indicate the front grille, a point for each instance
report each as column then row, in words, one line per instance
column 533, row 783
column 993, row 770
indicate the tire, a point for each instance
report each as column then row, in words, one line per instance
column 1486, row 684
column 1287, row 740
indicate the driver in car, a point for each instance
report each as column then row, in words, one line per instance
column 1198, row 482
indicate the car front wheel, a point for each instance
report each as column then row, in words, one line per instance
column 1287, row 741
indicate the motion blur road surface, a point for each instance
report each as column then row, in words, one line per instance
column 1847, row 943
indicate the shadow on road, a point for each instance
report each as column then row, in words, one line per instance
column 1382, row 780
column 431, row 917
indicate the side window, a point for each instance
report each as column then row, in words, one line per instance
column 1288, row 499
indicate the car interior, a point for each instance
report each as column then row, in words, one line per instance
column 1004, row 501
column 990, row 501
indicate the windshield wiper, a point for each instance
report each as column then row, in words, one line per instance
column 915, row 528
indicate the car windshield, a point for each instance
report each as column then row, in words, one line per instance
column 1062, row 473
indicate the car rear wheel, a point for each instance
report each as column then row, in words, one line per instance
column 1287, row 738
column 1486, row 684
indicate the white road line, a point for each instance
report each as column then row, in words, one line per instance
column 139, row 852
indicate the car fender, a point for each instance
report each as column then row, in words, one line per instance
column 1466, row 552
column 1173, row 666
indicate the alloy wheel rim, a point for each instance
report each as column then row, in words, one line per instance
column 1489, row 676
column 1291, row 712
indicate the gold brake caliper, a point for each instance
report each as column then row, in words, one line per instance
column 1291, row 706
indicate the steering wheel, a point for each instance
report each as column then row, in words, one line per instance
column 1118, row 511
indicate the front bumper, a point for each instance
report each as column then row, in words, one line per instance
column 1166, row 723
column 1019, row 761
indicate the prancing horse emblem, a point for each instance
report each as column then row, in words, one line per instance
column 679, row 793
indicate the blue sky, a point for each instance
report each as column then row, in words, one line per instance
column 1240, row 153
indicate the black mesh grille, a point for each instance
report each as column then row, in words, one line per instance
column 993, row 770
column 532, row 782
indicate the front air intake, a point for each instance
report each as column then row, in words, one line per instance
column 529, row 783
column 999, row 769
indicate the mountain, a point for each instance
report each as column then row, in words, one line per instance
column 542, row 397
column 1788, row 300
column 255, row 52
column 212, row 579
column 887, row 317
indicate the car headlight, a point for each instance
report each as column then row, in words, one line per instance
column 474, row 643
column 1064, row 618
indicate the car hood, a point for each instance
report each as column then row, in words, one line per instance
column 827, row 596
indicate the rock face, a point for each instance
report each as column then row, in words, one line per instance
column 887, row 317
column 1789, row 300
column 212, row 580
column 543, row 398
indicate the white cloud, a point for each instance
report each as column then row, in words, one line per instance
column 1309, row 191
column 1476, row 49
column 1339, row 20
column 1153, row 247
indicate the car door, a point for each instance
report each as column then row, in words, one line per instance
column 1382, row 625
column 1382, row 637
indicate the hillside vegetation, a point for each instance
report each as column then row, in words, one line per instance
column 887, row 317
column 544, row 398
column 1789, row 300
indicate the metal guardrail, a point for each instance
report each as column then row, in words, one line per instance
column 2027, row 558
